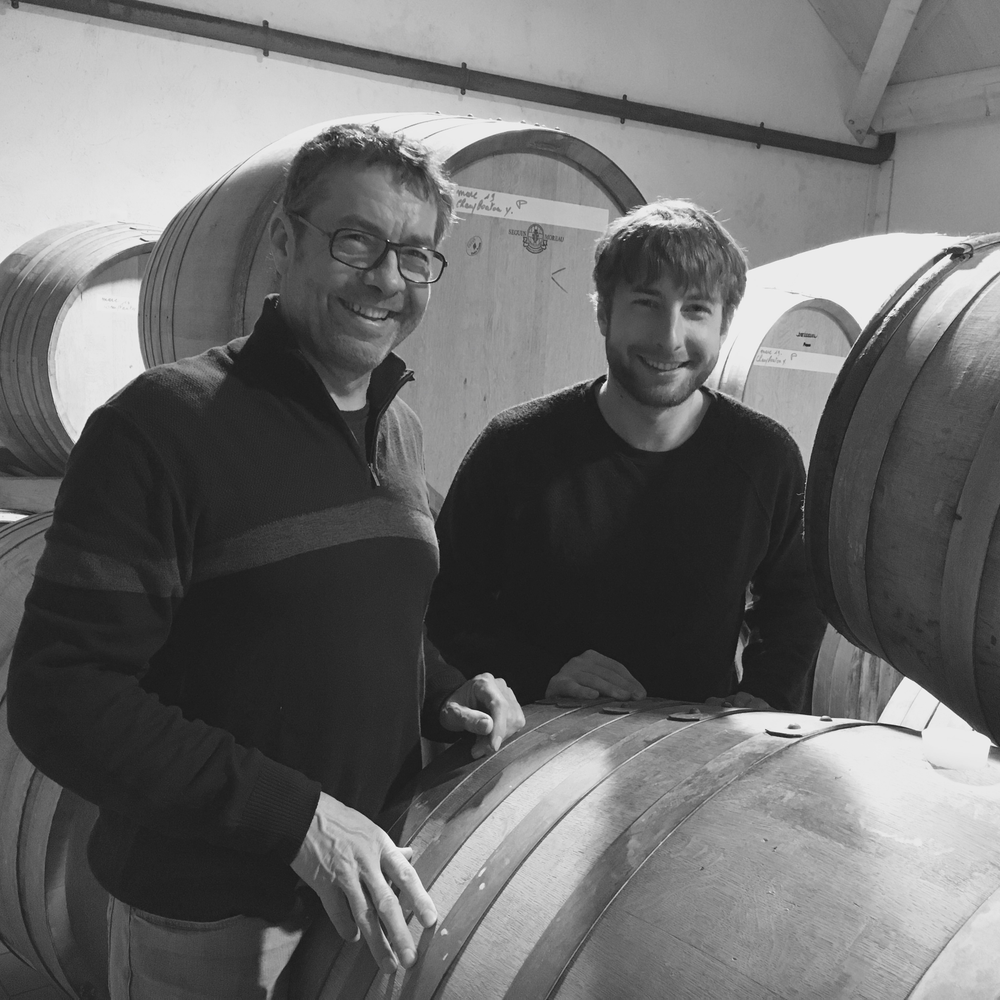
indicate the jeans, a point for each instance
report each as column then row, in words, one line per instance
column 238, row 958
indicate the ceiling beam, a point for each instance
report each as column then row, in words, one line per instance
column 882, row 59
column 960, row 97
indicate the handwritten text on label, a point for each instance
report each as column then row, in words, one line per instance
column 474, row 201
column 777, row 357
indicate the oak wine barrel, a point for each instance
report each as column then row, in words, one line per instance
column 800, row 317
column 52, row 911
column 788, row 340
column 669, row 852
column 781, row 355
column 69, row 336
column 21, row 544
column 849, row 682
column 913, row 707
column 904, row 485
column 510, row 320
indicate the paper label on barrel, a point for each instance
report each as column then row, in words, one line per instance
column 779, row 357
column 114, row 303
column 499, row 204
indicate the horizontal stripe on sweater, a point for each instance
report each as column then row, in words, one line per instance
column 379, row 517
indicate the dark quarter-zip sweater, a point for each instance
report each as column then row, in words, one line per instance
column 228, row 618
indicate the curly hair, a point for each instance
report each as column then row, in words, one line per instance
column 674, row 234
column 416, row 167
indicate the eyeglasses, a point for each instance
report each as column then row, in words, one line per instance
column 419, row 265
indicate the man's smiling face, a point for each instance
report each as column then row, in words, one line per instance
column 344, row 319
column 662, row 340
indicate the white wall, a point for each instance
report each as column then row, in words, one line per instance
column 947, row 179
column 104, row 121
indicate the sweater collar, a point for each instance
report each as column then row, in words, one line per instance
column 603, row 430
column 271, row 356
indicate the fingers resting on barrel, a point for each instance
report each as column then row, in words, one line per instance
column 486, row 706
column 352, row 865
column 591, row 675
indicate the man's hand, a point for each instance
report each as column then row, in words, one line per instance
column 741, row 699
column 486, row 706
column 592, row 674
column 350, row 863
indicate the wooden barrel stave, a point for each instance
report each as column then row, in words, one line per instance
column 600, row 810
column 34, row 874
column 612, row 748
column 21, row 546
column 154, row 299
column 20, row 269
column 790, row 928
column 849, row 682
column 564, row 887
column 967, row 964
column 51, row 907
column 44, row 297
column 15, row 777
column 487, row 786
column 914, row 708
column 77, row 905
column 719, row 860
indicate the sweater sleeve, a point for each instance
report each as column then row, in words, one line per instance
column 785, row 624
column 442, row 680
column 117, row 560
column 465, row 620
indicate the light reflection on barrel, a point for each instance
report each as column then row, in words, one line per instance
column 641, row 855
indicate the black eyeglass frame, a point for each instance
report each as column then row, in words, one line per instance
column 389, row 245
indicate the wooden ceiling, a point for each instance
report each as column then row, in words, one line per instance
column 925, row 62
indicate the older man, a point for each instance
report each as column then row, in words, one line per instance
column 601, row 540
column 223, row 647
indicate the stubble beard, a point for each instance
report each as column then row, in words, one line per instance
column 339, row 348
column 630, row 380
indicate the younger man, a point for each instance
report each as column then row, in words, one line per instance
column 603, row 539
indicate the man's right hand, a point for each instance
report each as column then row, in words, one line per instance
column 592, row 674
column 350, row 862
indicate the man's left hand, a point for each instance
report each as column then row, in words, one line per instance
column 486, row 706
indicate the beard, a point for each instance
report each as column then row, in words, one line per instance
column 649, row 389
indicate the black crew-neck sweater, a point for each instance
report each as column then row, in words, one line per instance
column 557, row 536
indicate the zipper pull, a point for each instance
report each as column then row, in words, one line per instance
column 374, row 474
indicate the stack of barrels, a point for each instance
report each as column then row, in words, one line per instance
column 68, row 340
column 634, row 850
